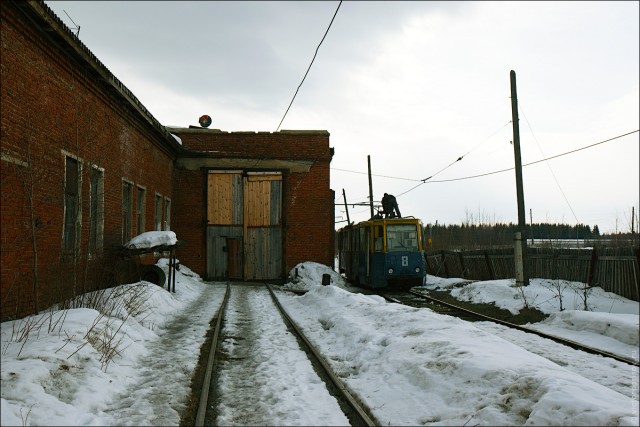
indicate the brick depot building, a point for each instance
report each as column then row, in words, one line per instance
column 85, row 167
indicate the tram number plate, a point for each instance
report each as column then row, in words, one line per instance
column 405, row 261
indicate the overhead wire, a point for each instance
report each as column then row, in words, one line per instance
column 313, row 59
column 422, row 182
column 530, row 163
column 548, row 164
column 463, row 156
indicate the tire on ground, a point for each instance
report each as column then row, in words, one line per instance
column 153, row 274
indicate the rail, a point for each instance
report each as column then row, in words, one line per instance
column 564, row 341
column 352, row 401
column 204, row 394
column 359, row 415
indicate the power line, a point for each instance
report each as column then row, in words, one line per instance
column 441, row 170
column 380, row 176
column 549, row 166
column 537, row 161
column 462, row 157
column 305, row 74
column 526, row 164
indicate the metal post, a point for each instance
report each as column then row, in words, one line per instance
column 370, row 186
column 173, row 257
column 522, row 220
column 170, row 272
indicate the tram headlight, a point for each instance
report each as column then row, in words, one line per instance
column 417, row 270
column 390, row 271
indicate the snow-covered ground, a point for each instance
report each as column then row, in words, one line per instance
column 410, row 366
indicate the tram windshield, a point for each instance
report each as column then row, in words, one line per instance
column 402, row 237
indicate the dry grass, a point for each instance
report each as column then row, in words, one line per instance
column 114, row 306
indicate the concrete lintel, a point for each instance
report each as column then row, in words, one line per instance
column 196, row 130
column 196, row 163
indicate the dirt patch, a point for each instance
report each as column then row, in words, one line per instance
column 526, row 315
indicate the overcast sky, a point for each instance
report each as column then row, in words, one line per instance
column 414, row 85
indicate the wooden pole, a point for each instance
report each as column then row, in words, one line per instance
column 346, row 207
column 521, row 264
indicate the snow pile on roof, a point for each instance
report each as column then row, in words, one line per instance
column 177, row 138
column 151, row 239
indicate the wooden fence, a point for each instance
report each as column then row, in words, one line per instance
column 613, row 269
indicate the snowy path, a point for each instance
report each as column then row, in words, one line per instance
column 170, row 360
column 265, row 377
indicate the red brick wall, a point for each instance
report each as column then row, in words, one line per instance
column 309, row 221
column 51, row 107
column 190, row 218
column 54, row 104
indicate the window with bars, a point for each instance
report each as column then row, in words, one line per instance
column 127, row 203
column 96, row 211
column 158, row 215
column 71, row 204
column 140, row 211
column 167, row 214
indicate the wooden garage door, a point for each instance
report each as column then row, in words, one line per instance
column 262, row 226
column 244, row 235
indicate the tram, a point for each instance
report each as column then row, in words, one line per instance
column 383, row 252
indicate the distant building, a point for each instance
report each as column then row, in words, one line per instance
column 85, row 167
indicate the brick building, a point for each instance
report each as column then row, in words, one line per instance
column 85, row 167
column 260, row 202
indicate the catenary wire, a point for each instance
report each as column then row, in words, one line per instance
column 548, row 164
column 462, row 157
column 526, row 164
column 441, row 170
column 313, row 59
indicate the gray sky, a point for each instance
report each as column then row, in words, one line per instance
column 415, row 85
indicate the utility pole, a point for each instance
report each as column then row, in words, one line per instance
column 346, row 207
column 522, row 277
column 370, row 186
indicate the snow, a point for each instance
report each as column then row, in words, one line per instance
column 411, row 366
column 151, row 239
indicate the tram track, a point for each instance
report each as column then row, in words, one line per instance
column 353, row 409
column 467, row 314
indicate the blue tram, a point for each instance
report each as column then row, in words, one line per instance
column 383, row 252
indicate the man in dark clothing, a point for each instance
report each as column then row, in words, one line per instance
column 390, row 206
